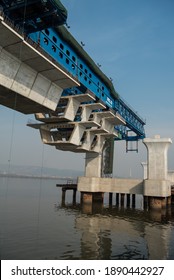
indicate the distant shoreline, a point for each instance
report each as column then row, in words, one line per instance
column 35, row 176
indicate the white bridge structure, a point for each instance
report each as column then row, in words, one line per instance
column 31, row 82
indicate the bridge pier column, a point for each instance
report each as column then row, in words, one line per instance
column 98, row 165
column 157, row 186
column 133, row 200
column 63, row 196
column 122, row 199
column 93, row 163
column 90, row 197
column 86, row 197
column 110, row 198
column 144, row 165
column 117, row 199
column 128, row 200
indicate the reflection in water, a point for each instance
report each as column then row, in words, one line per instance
column 114, row 231
column 119, row 233
column 35, row 224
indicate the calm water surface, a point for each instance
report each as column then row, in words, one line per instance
column 35, row 224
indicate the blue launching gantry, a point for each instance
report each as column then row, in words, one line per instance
column 42, row 22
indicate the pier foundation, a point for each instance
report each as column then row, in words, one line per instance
column 90, row 197
column 96, row 165
column 157, row 203
column 156, row 186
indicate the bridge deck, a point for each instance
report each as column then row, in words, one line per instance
column 20, row 51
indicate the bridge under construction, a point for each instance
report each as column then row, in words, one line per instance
column 46, row 72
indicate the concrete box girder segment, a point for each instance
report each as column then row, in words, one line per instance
column 31, row 54
column 112, row 117
column 74, row 103
column 74, row 135
column 66, row 109
column 116, row 120
column 108, row 120
column 81, row 136
column 98, row 130
column 85, row 97
column 98, row 144
column 71, row 109
column 87, row 142
column 66, row 147
column 107, row 125
column 110, row 135
column 22, row 88
column 77, row 134
column 52, row 134
column 89, row 124
column 30, row 81
column 88, row 108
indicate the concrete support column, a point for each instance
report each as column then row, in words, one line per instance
column 93, row 165
column 87, row 142
column 157, row 186
column 74, row 196
column 63, row 196
column 108, row 155
column 169, row 200
column 144, row 165
column 110, row 198
column 117, row 198
column 157, row 202
column 86, row 197
column 157, row 157
column 98, row 197
column 89, row 197
column 86, row 111
column 145, row 202
column 99, row 143
column 122, row 199
column 100, row 164
column 128, row 200
column 71, row 108
column 133, row 200
column 77, row 134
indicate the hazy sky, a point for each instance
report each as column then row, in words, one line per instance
column 133, row 40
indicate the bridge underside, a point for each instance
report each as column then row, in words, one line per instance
column 33, row 82
column 79, row 124
column 11, row 99
column 30, row 81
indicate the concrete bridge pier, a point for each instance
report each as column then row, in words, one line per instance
column 144, row 165
column 157, row 187
column 93, row 163
column 98, row 165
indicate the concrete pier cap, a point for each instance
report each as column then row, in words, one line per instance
column 157, row 183
column 157, row 149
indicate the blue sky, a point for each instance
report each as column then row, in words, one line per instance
column 133, row 40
